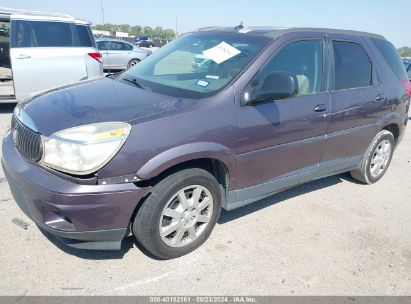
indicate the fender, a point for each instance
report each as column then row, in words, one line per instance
column 183, row 153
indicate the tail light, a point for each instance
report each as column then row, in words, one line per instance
column 407, row 87
column 96, row 56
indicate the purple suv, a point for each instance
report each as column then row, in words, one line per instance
column 159, row 149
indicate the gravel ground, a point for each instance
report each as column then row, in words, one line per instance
column 329, row 237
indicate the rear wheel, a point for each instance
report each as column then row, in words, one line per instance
column 180, row 213
column 132, row 63
column 377, row 159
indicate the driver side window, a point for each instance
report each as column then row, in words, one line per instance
column 301, row 60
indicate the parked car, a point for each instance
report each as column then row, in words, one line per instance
column 160, row 149
column 4, row 30
column 120, row 55
column 46, row 51
column 407, row 65
column 144, row 41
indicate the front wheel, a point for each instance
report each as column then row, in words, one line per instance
column 179, row 214
column 377, row 159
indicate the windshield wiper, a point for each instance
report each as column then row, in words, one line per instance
column 136, row 83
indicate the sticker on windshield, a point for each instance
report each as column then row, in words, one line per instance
column 202, row 83
column 221, row 52
column 213, row 77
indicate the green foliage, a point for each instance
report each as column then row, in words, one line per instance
column 137, row 30
column 405, row 51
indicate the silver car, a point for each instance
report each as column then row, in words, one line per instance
column 42, row 51
column 119, row 54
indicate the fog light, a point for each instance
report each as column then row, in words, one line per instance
column 57, row 221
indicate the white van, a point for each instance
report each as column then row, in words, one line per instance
column 40, row 51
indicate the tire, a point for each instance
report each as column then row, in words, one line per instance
column 376, row 160
column 132, row 63
column 168, row 237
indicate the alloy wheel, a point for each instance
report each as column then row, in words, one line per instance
column 380, row 158
column 186, row 215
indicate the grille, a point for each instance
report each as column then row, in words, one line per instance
column 27, row 142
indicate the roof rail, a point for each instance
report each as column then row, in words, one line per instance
column 10, row 11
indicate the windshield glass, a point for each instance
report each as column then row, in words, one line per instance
column 197, row 65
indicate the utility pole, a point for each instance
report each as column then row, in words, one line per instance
column 176, row 26
column 102, row 10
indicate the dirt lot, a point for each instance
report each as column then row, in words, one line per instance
column 329, row 237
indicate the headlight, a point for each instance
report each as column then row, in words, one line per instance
column 85, row 149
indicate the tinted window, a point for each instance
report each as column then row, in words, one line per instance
column 84, row 37
column 120, row 46
column 42, row 34
column 353, row 68
column 301, row 59
column 392, row 57
column 103, row 45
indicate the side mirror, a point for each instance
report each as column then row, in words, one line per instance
column 277, row 85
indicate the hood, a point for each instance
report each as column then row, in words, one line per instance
column 95, row 101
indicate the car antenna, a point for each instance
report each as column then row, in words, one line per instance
column 239, row 27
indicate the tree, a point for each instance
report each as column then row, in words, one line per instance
column 157, row 32
column 405, row 51
column 124, row 28
column 138, row 30
column 169, row 34
column 148, row 31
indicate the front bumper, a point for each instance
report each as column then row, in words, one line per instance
column 82, row 216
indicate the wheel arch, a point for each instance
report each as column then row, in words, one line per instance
column 213, row 157
column 394, row 129
column 154, row 174
column 392, row 122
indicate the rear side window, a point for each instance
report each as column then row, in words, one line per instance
column 120, row 46
column 42, row 34
column 392, row 57
column 103, row 45
column 29, row 34
column 352, row 66
column 84, row 37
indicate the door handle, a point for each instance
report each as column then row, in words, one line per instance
column 320, row 108
column 23, row 57
column 380, row 98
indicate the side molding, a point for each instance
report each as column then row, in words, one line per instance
column 242, row 197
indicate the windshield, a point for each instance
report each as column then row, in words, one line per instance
column 197, row 65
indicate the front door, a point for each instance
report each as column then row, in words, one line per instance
column 285, row 137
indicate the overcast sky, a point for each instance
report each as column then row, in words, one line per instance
column 389, row 18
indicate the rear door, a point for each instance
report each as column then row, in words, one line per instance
column 358, row 99
column 43, row 55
